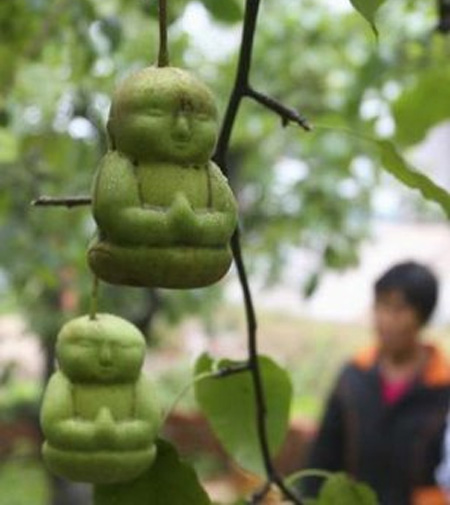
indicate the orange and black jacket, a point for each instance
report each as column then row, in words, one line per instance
column 395, row 448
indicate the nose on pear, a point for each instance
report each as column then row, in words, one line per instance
column 182, row 127
column 105, row 357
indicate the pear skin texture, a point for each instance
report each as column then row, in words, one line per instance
column 100, row 415
column 165, row 212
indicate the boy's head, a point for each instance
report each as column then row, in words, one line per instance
column 405, row 297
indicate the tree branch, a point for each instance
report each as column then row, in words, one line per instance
column 240, row 85
column 240, row 90
column 286, row 113
column 68, row 201
column 232, row 370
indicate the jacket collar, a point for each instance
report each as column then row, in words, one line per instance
column 435, row 374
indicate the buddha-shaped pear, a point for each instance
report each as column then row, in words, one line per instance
column 100, row 415
column 164, row 211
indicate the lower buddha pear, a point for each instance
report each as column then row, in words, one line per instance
column 100, row 414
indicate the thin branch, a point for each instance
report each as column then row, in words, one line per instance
column 93, row 307
column 163, row 54
column 261, row 409
column 241, row 83
column 68, row 201
column 287, row 114
column 260, row 494
column 240, row 90
column 253, row 354
column 179, row 396
column 231, row 370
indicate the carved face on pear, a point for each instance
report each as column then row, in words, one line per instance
column 106, row 349
column 163, row 115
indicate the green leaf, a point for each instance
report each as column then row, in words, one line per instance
column 228, row 11
column 423, row 105
column 228, row 403
column 368, row 9
column 341, row 490
column 168, row 480
column 394, row 163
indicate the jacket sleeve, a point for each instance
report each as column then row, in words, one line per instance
column 442, row 473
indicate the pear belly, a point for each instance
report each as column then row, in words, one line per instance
column 173, row 267
column 98, row 467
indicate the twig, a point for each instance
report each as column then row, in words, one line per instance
column 179, row 396
column 240, row 90
column 260, row 494
column 286, row 113
column 232, row 370
column 163, row 54
column 94, row 299
column 255, row 370
column 68, row 201
column 241, row 83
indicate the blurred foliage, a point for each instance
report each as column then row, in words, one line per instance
column 19, row 399
column 14, row 474
column 59, row 62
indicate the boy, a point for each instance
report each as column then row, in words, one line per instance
column 385, row 418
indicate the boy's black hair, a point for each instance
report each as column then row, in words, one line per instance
column 416, row 282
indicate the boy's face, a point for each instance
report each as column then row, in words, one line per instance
column 397, row 323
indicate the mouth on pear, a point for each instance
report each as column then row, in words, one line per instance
column 182, row 143
column 106, row 367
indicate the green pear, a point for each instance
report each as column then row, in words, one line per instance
column 100, row 415
column 165, row 212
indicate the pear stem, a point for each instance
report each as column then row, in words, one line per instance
column 94, row 299
column 163, row 55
